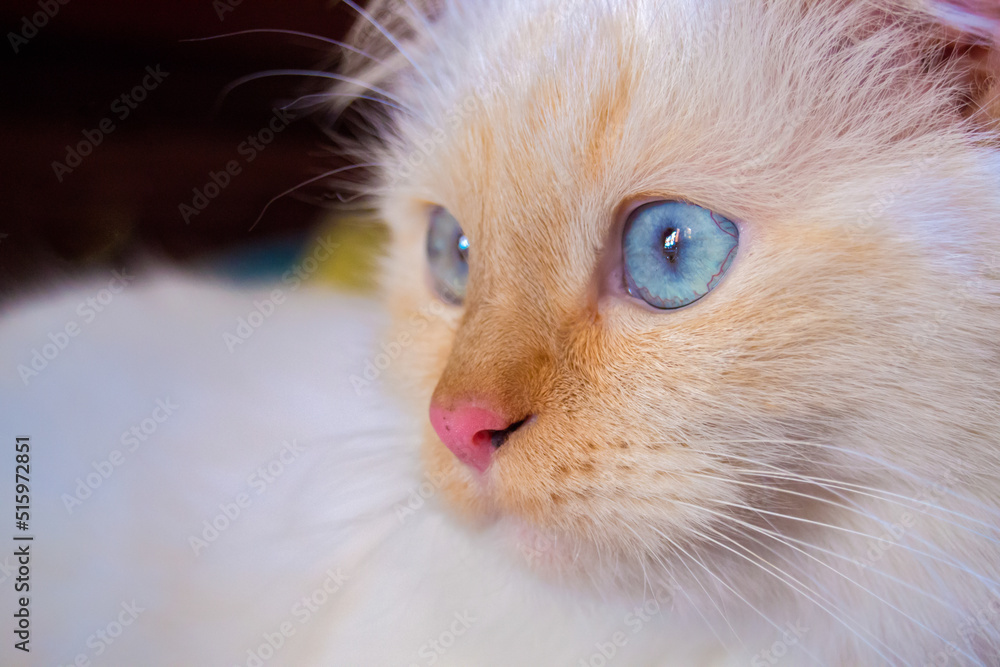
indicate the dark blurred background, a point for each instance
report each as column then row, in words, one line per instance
column 65, row 74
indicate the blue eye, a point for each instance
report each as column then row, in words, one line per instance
column 448, row 256
column 674, row 253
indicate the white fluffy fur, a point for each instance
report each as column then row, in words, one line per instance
column 337, row 506
column 805, row 134
column 865, row 305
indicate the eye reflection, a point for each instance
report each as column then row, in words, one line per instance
column 674, row 253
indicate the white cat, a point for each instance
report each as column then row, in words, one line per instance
column 702, row 299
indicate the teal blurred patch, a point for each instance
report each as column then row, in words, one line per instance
column 260, row 262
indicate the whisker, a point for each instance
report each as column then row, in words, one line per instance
column 326, row 40
column 861, row 489
column 696, row 607
column 306, row 182
column 733, row 591
column 719, row 605
column 308, row 73
column 780, row 538
column 399, row 47
column 855, row 509
column 850, row 531
column 781, row 576
column 296, row 103
column 908, row 473
column 948, row 557
column 428, row 29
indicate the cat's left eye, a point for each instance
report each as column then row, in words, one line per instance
column 447, row 256
column 674, row 253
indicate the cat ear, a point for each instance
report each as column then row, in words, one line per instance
column 971, row 36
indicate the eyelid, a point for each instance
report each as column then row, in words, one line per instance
column 630, row 205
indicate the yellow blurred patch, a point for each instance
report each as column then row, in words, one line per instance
column 359, row 241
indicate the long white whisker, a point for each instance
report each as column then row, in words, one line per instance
column 309, row 73
column 296, row 103
column 696, row 607
column 855, row 509
column 831, row 526
column 327, row 40
column 385, row 33
column 854, row 487
column 949, row 558
column 424, row 22
column 781, row 538
column 799, row 587
column 908, row 473
column 734, row 592
column 778, row 534
column 326, row 174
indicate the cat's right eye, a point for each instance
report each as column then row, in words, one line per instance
column 674, row 253
column 447, row 256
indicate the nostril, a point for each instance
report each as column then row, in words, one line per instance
column 498, row 438
column 472, row 432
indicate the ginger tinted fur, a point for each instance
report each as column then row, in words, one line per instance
column 686, row 355
column 747, row 452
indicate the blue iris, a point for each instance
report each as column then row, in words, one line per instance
column 448, row 256
column 674, row 253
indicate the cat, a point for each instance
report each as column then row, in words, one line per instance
column 689, row 356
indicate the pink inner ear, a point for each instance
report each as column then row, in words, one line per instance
column 974, row 17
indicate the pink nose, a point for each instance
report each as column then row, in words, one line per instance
column 470, row 432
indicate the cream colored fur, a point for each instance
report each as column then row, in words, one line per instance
column 801, row 468
column 750, row 452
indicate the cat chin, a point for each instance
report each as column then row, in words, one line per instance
column 540, row 550
column 571, row 563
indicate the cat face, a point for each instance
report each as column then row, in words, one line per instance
column 832, row 135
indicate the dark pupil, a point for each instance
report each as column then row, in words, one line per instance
column 671, row 243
